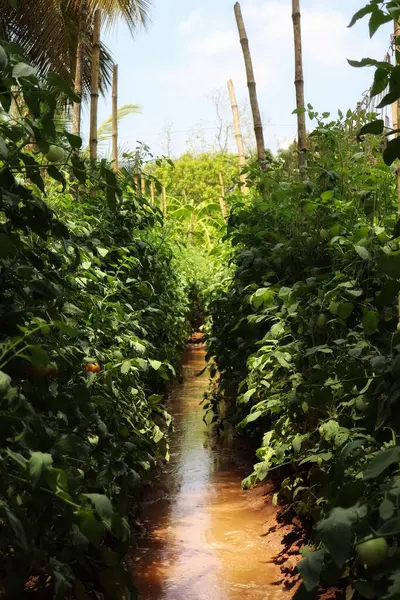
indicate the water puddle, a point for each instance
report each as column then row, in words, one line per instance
column 205, row 537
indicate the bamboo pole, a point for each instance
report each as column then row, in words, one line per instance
column 222, row 200
column 77, row 109
column 94, row 91
column 396, row 116
column 115, row 119
column 396, row 122
column 164, row 201
column 238, row 134
column 143, row 184
column 299, row 83
column 251, row 84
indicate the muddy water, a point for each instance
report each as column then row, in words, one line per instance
column 205, row 537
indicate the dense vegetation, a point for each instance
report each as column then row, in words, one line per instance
column 99, row 292
column 93, row 318
column 306, row 342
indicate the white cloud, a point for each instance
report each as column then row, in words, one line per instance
column 216, row 43
column 193, row 19
column 326, row 38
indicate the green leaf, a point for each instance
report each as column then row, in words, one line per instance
column 378, row 18
column 38, row 356
column 396, row 230
column 336, row 531
column 310, row 569
column 74, row 140
column 90, row 526
column 155, row 364
column 390, row 264
column 386, row 509
column 15, row 524
column 370, row 321
column 381, row 462
column 373, row 128
column 381, row 82
column 57, row 175
column 78, row 169
column 360, row 14
column 7, row 248
column 363, row 252
column 102, row 505
column 344, row 310
column 71, row 309
column 3, row 149
column 369, row 62
column 58, row 82
column 39, row 464
column 23, row 70
column 392, row 150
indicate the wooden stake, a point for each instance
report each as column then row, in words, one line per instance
column 222, row 200
column 94, row 91
column 238, row 135
column 299, row 83
column 164, row 202
column 152, row 192
column 251, row 83
column 115, row 119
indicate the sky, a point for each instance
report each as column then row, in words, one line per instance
column 190, row 49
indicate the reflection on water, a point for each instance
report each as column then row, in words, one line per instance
column 205, row 536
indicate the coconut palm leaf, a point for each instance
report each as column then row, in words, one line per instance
column 47, row 32
column 104, row 131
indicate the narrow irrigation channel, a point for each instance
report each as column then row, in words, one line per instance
column 206, row 539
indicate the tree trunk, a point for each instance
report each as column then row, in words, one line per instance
column 152, row 192
column 258, row 128
column 299, row 83
column 222, row 200
column 115, row 119
column 94, row 92
column 238, row 135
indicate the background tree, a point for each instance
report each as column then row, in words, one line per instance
column 196, row 176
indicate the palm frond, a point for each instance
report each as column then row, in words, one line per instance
column 104, row 131
column 47, row 32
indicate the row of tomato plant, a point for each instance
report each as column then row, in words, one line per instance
column 93, row 320
column 306, row 350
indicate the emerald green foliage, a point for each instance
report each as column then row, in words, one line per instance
column 93, row 320
column 195, row 177
column 306, row 346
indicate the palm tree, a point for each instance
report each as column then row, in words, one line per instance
column 52, row 32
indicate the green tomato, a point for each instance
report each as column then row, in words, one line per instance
column 309, row 241
column 372, row 551
column 361, row 404
column 3, row 59
column 322, row 320
column 324, row 234
column 55, row 154
column 5, row 383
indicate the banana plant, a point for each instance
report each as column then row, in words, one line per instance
column 196, row 221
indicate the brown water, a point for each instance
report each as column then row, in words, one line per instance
column 205, row 537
